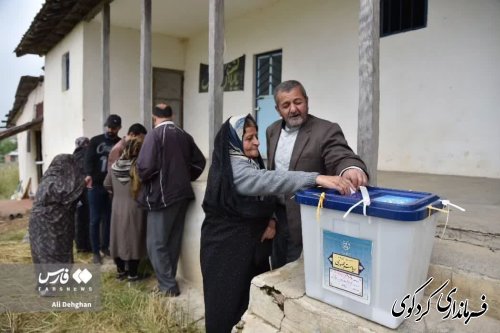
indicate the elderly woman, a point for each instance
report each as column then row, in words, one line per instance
column 128, row 223
column 238, row 219
column 51, row 225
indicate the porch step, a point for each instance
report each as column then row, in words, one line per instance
column 278, row 302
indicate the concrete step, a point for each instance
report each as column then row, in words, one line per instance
column 473, row 270
column 477, row 226
column 278, row 304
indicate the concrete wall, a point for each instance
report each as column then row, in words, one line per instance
column 439, row 92
column 189, row 262
column 329, row 72
column 168, row 52
column 439, row 85
column 63, row 109
column 27, row 167
column 78, row 111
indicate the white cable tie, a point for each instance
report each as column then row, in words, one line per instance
column 366, row 198
column 365, row 201
column 448, row 203
column 352, row 207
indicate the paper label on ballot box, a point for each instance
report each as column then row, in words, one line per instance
column 347, row 265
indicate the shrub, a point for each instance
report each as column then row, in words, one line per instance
column 9, row 179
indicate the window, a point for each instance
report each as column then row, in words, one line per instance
column 402, row 15
column 268, row 73
column 65, row 71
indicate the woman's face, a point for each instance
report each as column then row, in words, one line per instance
column 251, row 142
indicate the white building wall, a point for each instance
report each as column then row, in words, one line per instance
column 27, row 167
column 78, row 111
column 439, row 85
column 440, row 92
column 63, row 108
column 168, row 52
column 327, row 64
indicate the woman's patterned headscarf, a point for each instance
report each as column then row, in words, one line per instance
column 125, row 169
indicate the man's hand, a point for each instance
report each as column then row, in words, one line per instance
column 88, row 181
column 270, row 231
column 356, row 176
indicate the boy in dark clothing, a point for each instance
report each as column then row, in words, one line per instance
column 96, row 168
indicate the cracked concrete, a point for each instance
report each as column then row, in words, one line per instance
column 304, row 314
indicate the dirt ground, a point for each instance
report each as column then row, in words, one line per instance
column 10, row 209
column 14, row 215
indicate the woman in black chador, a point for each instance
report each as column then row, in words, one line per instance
column 51, row 225
column 238, row 228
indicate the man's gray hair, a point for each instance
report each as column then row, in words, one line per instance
column 286, row 86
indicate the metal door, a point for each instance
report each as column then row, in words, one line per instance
column 268, row 76
column 168, row 88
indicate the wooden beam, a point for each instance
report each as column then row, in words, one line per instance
column 369, row 93
column 215, row 68
column 18, row 129
column 94, row 11
column 145, row 94
column 105, row 62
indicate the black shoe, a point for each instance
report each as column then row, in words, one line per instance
column 96, row 259
column 121, row 276
column 173, row 292
column 105, row 253
column 133, row 278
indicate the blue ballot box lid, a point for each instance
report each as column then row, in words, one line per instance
column 385, row 203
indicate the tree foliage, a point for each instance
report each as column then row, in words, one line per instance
column 6, row 146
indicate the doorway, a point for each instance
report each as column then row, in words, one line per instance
column 168, row 88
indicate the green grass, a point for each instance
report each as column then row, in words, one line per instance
column 9, row 178
column 14, row 236
column 125, row 307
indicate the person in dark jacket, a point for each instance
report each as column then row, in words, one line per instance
column 82, row 237
column 96, row 169
column 167, row 164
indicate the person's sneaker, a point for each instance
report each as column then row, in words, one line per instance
column 121, row 276
column 174, row 292
column 96, row 259
column 105, row 253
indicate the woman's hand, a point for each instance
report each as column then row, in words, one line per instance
column 343, row 185
column 270, row 231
